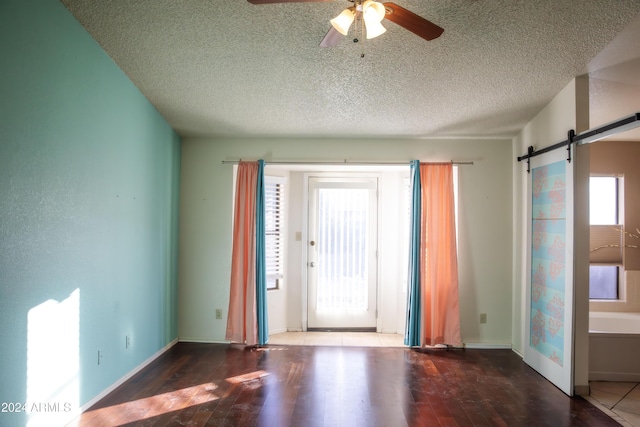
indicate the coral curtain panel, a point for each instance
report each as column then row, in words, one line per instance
column 438, row 252
column 436, row 294
column 247, row 317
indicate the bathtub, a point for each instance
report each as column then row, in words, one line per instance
column 614, row 346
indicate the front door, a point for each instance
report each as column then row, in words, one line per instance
column 341, row 257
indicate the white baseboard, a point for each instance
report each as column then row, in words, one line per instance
column 277, row 331
column 486, row 346
column 122, row 380
column 473, row 345
column 518, row 353
column 203, row 340
column 581, row 390
column 614, row 376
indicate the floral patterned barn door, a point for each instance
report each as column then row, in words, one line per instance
column 549, row 349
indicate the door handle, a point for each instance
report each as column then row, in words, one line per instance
column 312, row 264
column 312, row 243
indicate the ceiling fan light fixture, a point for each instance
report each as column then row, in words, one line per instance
column 373, row 13
column 343, row 21
column 374, row 29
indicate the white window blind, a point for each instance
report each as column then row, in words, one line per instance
column 343, row 248
column 274, row 223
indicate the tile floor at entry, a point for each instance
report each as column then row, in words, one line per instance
column 619, row 400
column 353, row 339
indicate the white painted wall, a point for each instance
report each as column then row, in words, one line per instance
column 485, row 231
column 568, row 110
column 392, row 262
column 295, row 249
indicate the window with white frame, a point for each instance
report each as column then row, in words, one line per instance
column 274, row 230
column 606, row 237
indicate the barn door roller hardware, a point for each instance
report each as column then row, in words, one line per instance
column 586, row 137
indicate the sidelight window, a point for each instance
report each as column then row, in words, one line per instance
column 274, row 223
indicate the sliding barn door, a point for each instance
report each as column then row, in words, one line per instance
column 550, row 296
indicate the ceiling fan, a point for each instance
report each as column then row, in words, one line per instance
column 391, row 11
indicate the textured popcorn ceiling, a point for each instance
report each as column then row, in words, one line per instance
column 229, row 68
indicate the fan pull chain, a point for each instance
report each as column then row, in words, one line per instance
column 357, row 27
column 359, row 31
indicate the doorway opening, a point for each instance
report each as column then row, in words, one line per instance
column 349, row 251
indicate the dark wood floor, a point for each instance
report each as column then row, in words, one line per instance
column 222, row 385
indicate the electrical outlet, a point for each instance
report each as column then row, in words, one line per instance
column 483, row 317
column 127, row 342
column 99, row 357
column 218, row 313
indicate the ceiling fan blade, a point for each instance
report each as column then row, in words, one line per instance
column 286, row 1
column 412, row 22
column 333, row 38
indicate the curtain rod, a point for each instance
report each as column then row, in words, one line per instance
column 344, row 162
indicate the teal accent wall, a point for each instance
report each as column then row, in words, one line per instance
column 89, row 182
